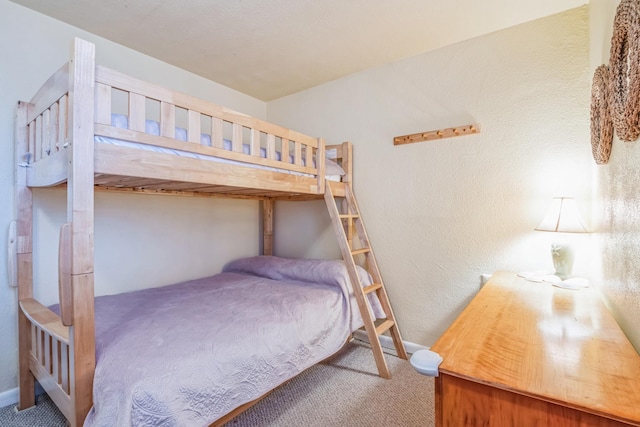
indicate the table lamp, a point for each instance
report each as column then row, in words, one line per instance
column 562, row 217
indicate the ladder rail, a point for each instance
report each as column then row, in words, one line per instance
column 344, row 224
column 362, row 233
column 365, row 311
column 375, row 274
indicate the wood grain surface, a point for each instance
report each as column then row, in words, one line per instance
column 543, row 343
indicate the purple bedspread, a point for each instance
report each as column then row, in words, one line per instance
column 187, row 354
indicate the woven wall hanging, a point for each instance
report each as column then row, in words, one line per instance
column 601, row 122
column 624, row 71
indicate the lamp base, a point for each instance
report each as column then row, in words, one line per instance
column 563, row 258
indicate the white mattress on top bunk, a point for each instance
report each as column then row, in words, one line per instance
column 333, row 171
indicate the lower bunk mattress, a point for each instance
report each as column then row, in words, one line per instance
column 190, row 353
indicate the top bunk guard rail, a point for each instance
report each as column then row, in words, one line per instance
column 261, row 134
column 164, row 121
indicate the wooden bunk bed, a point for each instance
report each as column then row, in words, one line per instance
column 170, row 143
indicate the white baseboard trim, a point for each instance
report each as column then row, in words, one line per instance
column 387, row 342
column 11, row 396
column 8, row 397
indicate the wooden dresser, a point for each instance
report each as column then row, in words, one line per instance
column 531, row 354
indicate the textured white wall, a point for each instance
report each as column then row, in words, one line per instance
column 441, row 213
column 617, row 200
column 140, row 241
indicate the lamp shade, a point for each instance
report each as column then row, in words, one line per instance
column 562, row 216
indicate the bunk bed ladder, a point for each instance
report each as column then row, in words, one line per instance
column 344, row 219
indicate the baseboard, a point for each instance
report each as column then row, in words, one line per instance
column 8, row 397
column 11, row 396
column 387, row 342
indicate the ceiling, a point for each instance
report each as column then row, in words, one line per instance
column 273, row 48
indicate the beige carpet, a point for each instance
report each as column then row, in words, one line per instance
column 346, row 391
column 342, row 391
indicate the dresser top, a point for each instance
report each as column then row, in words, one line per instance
column 555, row 344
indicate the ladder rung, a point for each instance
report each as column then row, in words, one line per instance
column 345, row 216
column 384, row 327
column 371, row 288
column 360, row 251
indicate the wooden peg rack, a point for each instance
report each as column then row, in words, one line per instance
column 437, row 134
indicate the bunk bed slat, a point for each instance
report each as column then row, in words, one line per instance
column 170, row 185
column 254, row 147
column 47, row 353
column 284, row 150
column 63, row 110
column 136, row 112
column 46, row 132
column 217, row 135
column 64, row 367
column 54, row 127
column 195, row 125
column 38, row 139
column 167, row 120
column 34, row 339
column 297, row 153
column 236, row 138
column 31, row 142
column 55, row 363
column 308, row 152
column 103, row 104
column 39, row 343
column 222, row 189
column 271, row 147
column 187, row 193
column 36, row 351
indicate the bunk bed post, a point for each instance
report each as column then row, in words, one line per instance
column 320, row 165
column 267, row 226
column 347, row 163
column 80, row 215
column 347, row 166
column 24, row 240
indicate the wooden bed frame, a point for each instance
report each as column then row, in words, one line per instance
column 55, row 147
